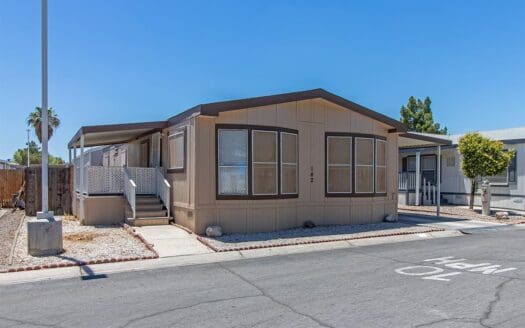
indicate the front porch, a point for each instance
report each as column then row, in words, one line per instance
column 419, row 174
column 136, row 192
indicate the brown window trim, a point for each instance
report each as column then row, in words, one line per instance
column 183, row 169
column 353, row 193
column 250, row 195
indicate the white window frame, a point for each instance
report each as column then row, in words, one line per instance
column 328, row 165
column 230, row 166
column 296, row 164
column 173, row 135
column 276, row 163
column 365, row 165
column 381, row 166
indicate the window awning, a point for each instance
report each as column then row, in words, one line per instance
column 417, row 139
column 98, row 135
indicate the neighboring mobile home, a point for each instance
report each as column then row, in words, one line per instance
column 8, row 165
column 507, row 188
column 249, row 165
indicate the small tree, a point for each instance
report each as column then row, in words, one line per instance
column 482, row 157
column 35, row 155
column 417, row 115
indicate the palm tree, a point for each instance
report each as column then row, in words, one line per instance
column 35, row 120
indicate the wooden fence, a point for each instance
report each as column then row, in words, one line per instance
column 10, row 183
column 60, row 189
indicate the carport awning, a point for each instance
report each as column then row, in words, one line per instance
column 98, row 135
column 416, row 139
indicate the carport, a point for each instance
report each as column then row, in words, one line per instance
column 418, row 142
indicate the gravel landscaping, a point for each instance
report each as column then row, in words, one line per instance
column 9, row 223
column 460, row 212
column 297, row 236
column 82, row 244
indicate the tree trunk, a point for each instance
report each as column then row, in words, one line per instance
column 472, row 193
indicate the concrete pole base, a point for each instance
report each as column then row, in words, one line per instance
column 44, row 235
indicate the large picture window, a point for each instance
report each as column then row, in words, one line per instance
column 289, row 163
column 356, row 165
column 256, row 162
column 233, row 162
column 177, row 151
column 339, row 164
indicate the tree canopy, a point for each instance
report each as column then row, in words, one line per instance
column 482, row 157
column 417, row 115
column 35, row 155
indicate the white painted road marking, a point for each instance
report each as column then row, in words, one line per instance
column 436, row 273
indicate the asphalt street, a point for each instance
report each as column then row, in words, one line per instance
column 475, row 280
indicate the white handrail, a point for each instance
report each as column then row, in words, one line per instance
column 130, row 192
column 163, row 189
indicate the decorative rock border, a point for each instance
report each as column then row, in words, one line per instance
column 135, row 234
column 126, row 227
column 305, row 242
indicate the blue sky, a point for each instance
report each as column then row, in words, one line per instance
column 125, row 61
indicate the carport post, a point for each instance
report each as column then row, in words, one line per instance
column 418, row 175
column 81, row 167
column 438, row 203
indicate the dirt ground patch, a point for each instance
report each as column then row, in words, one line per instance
column 82, row 244
column 9, row 222
column 82, row 236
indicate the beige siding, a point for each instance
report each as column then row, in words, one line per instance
column 312, row 118
column 182, row 184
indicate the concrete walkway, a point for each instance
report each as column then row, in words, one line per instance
column 169, row 240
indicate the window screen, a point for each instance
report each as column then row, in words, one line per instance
column 380, row 178
column 176, row 150
column 264, row 162
column 232, row 162
column 289, row 163
column 364, row 165
column 339, row 164
column 512, row 168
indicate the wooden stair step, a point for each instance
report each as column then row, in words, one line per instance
column 150, row 213
column 148, row 207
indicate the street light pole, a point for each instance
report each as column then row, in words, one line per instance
column 44, row 233
column 44, row 119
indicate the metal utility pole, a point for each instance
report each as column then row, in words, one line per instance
column 28, row 160
column 44, row 118
column 44, row 233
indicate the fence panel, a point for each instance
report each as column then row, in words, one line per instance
column 60, row 189
column 10, row 183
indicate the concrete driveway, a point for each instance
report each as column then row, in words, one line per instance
column 169, row 240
